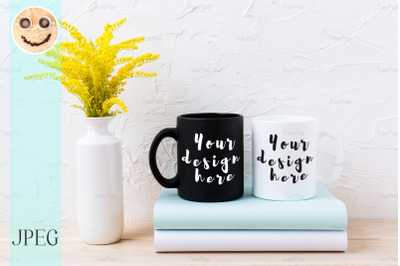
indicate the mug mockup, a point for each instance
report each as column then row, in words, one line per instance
column 210, row 157
column 284, row 157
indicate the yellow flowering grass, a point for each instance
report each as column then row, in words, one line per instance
column 93, row 72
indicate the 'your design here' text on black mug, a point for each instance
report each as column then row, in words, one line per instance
column 210, row 156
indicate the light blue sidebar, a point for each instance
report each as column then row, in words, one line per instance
column 35, row 155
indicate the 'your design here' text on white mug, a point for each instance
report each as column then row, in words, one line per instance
column 284, row 157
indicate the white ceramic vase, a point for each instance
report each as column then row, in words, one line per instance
column 99, row 174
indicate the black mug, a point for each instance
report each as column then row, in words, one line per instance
column 210, row 157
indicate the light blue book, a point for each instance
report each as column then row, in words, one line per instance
column 323, row 212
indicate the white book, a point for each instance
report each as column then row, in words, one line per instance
column 249, row 240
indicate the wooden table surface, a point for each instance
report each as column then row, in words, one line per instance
column 371, row 242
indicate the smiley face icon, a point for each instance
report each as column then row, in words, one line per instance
column 35, row 30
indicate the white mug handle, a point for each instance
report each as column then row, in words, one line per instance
column 339, row 157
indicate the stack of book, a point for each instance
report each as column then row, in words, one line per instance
column 250, row 224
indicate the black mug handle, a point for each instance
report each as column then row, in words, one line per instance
column 168, row 183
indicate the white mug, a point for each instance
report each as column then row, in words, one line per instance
column 284, row 157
